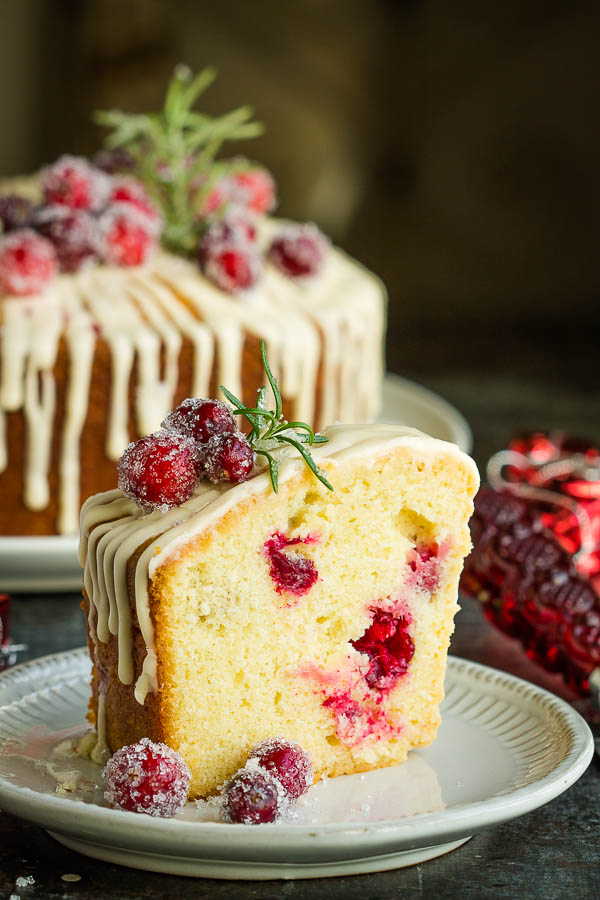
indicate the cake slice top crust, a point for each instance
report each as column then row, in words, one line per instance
column 115, row 531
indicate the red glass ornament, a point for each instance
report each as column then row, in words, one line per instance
column 536, row 557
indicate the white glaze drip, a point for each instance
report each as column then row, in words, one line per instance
column 107, row 548
column 144, row 314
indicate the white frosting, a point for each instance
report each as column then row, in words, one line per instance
column 113, row 528
column 144, row 314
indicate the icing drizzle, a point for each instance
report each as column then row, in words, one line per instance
column 143, row 314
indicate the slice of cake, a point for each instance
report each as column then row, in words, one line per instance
column 123, row 292
column 321, row 613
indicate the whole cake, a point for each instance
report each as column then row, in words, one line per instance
column 151, row 276
column 222, row 612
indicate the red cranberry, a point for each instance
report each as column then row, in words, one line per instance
column 298, row 251
column 288, row 762
column 424, row 563
column 126, row 237
column 159, row 471
column 73, row 181
column 131, row 191
column 236, row 227
column 147, row 778
column 253, row 797
column 258, row 189
column 228, row 457
column 291, row 573
column 389, row 647
column 27, row 263
column 200, row 419
column 113, row 161
column 73, row 232
column 15, row 212
column 233, row 266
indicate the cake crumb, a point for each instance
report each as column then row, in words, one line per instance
column 70, row 876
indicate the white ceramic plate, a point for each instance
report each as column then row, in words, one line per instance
column 48, row 564
column 505, row 747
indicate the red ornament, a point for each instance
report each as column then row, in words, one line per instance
column 536, row 557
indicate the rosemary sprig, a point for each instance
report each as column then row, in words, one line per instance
column 269, row 429
column 174, row 151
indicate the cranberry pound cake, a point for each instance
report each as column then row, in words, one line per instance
column 281, row 584
column 150, row 275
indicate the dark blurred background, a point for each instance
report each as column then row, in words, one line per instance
column 452, row 147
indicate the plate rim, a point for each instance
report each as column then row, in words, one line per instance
column 460, row 819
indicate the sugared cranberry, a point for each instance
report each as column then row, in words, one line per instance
column 15, row 212
column 200, row 419
column 73, row 181
column 159, row 471
column 298, row 251
column 254, row 797
column 233, row 266
column 288, row 762
column 126, row 237
column 147, row 778
column 228, row 457
column 258, row 189
column 237, row 227
column 113, row 161
column 73, row 233
column 27, row 263
column 389, row 647
column 131, row 191
column 292, row 573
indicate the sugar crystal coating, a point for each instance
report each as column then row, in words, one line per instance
column 288, row 762
column 258, row 188
column 236, row 227
column 233, row 266
column 298, row 250
column 131, row 191
column 27, row 263
column 147, row 777
column 200, row 419
column 126, row 236
column 73, row 181
column 228, row 457
column 159, row 471
column 15, row 212
column 254, row 796
column 73, row 232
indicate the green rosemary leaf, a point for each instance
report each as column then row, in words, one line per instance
column 261, row 401
column 308, row 460
column 232, row 399
column 173, row 147
column 272, row 380
column 198, row 85
column 317, row 439
column 299, row 426
column 273, row 468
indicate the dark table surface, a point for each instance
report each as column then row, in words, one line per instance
column 551, row 853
